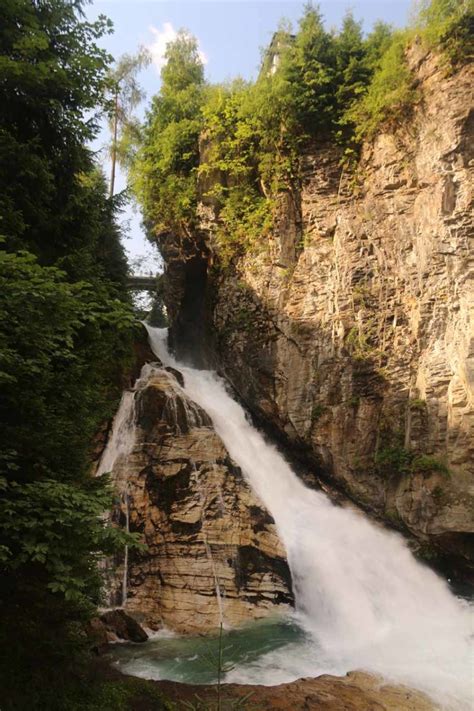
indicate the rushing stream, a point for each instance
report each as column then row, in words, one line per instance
column 362, row 600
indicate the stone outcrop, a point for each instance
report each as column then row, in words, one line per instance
column 357, row 691
column 113, row 626
column 212, row 551
column 351, row 332
column 121, row 626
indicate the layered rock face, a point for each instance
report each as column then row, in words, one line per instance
column 212, row 550
column 351, row 332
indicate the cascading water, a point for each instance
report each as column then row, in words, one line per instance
column 122, row 437
column 362, row 598
column 119, row 446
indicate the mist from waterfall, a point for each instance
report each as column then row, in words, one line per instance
column 363, row 599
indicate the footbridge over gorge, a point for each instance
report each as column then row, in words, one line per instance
column 144, row 282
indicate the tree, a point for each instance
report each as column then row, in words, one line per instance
column 51, row 93
column 309, row 69
column 65, row 337
column 377, row 43
column 164, row 172
column 352, row 67
column 126, row 96
column 449, row 25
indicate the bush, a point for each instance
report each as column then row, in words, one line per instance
column 393, row 460
column 317, row 412
column 427, row 464
column 390, row 94
column 449, row 26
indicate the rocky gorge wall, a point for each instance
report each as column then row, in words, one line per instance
column 212, row 551
column 350, row 331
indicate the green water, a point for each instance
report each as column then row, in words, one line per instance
column 194, row 660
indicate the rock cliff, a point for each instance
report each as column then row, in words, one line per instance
column 211, row 547
column 351, row 331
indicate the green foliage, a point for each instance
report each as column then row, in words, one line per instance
column 245, row 222
column 52, row 536
column 443, row 25
column 449, row 25
column 393, row 459
column 309, row 74
column 57, row 528
column 53, row 78
column 417, row 404
column 65, row 337
column 163, row 174
column 88, row 691
column 56, row 387
column 318, row 411
column 358, row 341
column 125, row 95
column 390, row 92
column 52, row 332
column 427, row 464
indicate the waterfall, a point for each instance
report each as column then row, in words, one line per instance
column 119, row 446
column 122, row 437
column 363, row 599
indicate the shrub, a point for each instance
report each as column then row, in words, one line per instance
column 448, row 25
column 393, row 460
column 390, row 93
column 418, row 404
column 318, row 411
column 426, row 464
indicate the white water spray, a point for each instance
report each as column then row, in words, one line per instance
column 122, row 437
column 361, row 595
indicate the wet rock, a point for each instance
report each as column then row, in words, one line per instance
column 177, row 374
column 357, row 691
column 122, row 626
column 212, row 549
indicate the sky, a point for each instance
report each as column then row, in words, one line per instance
column 231, row 36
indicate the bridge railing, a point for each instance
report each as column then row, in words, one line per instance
column 143, row 282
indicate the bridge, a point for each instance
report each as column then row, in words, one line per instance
column 143, row 282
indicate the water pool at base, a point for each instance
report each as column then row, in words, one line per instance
column 264, row 652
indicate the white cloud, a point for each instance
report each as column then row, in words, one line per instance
column 161, row 39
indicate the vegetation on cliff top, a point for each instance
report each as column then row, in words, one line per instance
column 238, row 144
column 65, row 336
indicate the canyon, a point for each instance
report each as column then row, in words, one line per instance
column 348, row 332
column 347, row 335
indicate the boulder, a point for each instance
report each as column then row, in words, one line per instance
column 123, row 626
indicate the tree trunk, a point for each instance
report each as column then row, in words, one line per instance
column 114, row 145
